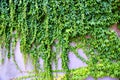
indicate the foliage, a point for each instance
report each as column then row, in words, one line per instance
column 38, row 23
column 98, row 71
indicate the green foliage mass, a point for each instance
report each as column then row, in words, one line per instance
column 99, row 71
column 38, row 23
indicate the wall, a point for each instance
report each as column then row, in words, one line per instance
column 15, row 66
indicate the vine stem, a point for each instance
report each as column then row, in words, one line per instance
column 48, row 52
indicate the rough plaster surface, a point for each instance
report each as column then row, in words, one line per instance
column 75, row 62
column 9, row 70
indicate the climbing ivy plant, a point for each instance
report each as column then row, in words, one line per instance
column 39, row 23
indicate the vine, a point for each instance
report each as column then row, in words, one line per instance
column 39, row 23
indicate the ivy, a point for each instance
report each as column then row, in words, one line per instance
column 39, row 23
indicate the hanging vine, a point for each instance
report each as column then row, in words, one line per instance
column 39, row 23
